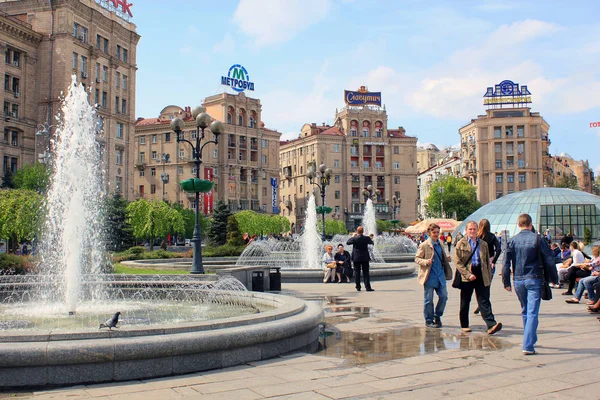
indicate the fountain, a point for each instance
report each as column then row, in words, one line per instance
column 169, row 324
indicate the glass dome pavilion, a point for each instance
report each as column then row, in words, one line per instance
column 560, row 210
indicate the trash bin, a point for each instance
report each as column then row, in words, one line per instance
column 275, row 279
column 258, row 281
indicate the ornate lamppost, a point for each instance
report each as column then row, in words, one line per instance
column 196, row 184
column 369, row 193
column 323, row 177
column 441, row 190
column 164, row 177
column 396, row 204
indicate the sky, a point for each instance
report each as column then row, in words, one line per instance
column 432, row 60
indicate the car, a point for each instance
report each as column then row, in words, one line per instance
column 188, row 242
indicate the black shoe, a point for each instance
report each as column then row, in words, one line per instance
column 358, row 289
column 370, row 290
column 437, row 321
column 476, row 311
column 431, row 325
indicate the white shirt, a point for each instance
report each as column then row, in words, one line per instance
column 578, row 257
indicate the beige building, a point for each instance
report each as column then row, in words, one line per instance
column 51, row 42
column 242, row 165
column 557, row 167
column 429, row 155
column 361, row 151
column 504, row 151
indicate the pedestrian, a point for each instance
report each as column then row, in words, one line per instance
column 531, row 259
column 548, row 236
column 434, row 271
column 163, row 245
column 472, row 262
column 360, row 257
column 329, row 264
column 344, row 261
column 449, row 242
column 484, row 233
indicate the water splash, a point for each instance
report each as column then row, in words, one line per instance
column 311, row 244
column 369, row 220
column 72, row 241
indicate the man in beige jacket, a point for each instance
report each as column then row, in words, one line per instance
column 434, row 271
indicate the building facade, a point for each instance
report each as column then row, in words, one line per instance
column 449, row 166
column 429, row 155
column 504, row 151
column 361, row 151
column 564, row 168
column 244, row 165
column 84, row 39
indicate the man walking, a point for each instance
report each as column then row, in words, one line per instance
column 529, row 256
column 360, row 257
column 434, row 271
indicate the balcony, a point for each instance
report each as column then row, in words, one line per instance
column 355, row 184
column 368, row 169
column 230, row 144
column 243, row 144
column 140, row 165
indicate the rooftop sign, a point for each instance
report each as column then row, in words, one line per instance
column 238, row 79
column 507, row 93
column 362, row 97
column 120, row 7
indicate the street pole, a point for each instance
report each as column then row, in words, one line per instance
column 441, row 190
column 324, row 176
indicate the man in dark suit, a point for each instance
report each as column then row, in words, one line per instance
column 360, row 256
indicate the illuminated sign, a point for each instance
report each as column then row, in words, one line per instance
column 595, row 124
column 121, row 7
column 238, row 79
column 507, row 92
column 274, row 196
column 362, row 97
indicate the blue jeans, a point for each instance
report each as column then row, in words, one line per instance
column 529, row 292
column 587, row 283
column 442, row 293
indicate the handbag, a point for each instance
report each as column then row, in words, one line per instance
column 332, row 265
column 457, row 282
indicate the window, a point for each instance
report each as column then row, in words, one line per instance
column 194, row 133
column 124, row 82
column 75, row 60
column 179, row 169
column 142, row 139
column 365, row 132
column 336, row 163
column 12, row 57
column 336, row 179
column 215, row 153
column 118, row 183
column 119, row 130
column 521, row 148
column 154, row 155
column 117, row 79
column 498, row 147
column 509, row 131
column 152, row 189
column 521, row 163
column 97, row 71
column 154, row 138
column 84, row 66
column 104, row 99
column 153, row 171
column 264, row 143
column 125, row 55
column 118, row 52
column 97, row 97
column 510, row 162
column 142, row 157
column 353, row 132
column 123, row 106
column 522, row 177
column 396, row 149
column 378, row 133
column 510, row 178
column 119, row 157
column 510, row 148
column 497, row 132
column 498, row 178
column 366, row 163
column 396, row 180
column 337, row 195
column 353, row 163
column 396, row 165
column 498, row 163
column 104, row 73
column 141, row 173
column 264, row 159
column 168, row 137
column 181, row 154
column 336, row 148
column 520, row 131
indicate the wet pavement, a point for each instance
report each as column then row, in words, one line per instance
column 375, row 346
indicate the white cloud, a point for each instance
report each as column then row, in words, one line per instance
column 225, row 46
column 274, row 21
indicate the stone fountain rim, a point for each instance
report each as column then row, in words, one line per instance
column 283, row 307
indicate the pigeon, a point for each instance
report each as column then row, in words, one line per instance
column 112, row 322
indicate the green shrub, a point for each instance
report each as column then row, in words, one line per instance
column 135, row 250
column 11, row 264
column 135, row 254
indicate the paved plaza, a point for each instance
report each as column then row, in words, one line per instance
column 377, row 348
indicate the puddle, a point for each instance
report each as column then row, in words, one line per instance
column 393, row 344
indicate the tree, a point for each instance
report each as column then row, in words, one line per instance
column 217, row 233
column 383, row 225
column 254, row 223
column 33, row 177
column 21, row 214
column 7, row 180
column 189, row 221
column 458, row 196
column 234, row 237
column 587, row 236
column 153, row 219
column 333, row 227
column 567, row 181
column 119, row 233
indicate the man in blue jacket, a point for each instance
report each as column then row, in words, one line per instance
column 529, row 255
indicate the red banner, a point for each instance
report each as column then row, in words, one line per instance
column 208, row 197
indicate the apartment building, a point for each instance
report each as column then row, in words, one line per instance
column 429, row 155
column 59, row 39
column 244, row 165
column 558, row 167
column 361, row 150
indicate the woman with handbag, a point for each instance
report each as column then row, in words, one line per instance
column 344, row 264
column 329, row 264
column 472, row 263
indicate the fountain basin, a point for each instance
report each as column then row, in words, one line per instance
column 30, row 359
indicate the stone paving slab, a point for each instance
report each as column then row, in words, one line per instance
column 566, row 334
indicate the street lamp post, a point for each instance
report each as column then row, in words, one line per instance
column 441, row 190
column 324, row 178
column 369, row 193
column 164, row 177
column 217, row 128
